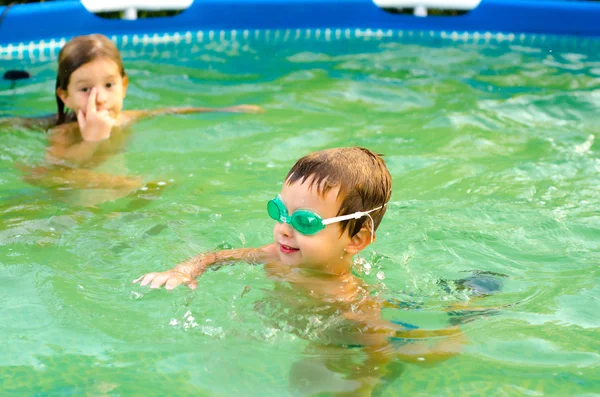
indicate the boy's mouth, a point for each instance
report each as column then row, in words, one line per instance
column 286, row 249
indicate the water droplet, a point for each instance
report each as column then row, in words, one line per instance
column 380, row 275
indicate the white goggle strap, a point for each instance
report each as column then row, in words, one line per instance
column 356, row 215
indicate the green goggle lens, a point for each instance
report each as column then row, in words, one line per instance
column 274, row 211
column 304, row 221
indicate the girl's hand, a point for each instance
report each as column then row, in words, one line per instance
column 170, row 279
column 94, row 125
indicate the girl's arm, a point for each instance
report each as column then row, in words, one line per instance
column 43, row 123
column 136, row 114
column 187, row 272
column 77, row 178
column 66, row 147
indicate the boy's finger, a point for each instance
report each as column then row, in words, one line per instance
column 138, row 279
column 91, row 105
column 159, row 281
column 172, row 283
column 147, row 278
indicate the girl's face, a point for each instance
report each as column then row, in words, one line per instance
column 105, row 76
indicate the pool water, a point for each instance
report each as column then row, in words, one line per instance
column 494, row 156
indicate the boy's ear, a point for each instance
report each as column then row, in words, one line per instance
column 360, row 241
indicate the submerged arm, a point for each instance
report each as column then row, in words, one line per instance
column 448, row 343
column 187, row 271
column 424, row 354
column 417, row 346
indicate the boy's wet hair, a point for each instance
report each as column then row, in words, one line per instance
column 77, row 52
column 361, row 175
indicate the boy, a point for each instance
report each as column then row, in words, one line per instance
column 328, row 210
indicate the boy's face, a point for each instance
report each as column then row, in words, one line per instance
column 324, row 251
column 102, row 74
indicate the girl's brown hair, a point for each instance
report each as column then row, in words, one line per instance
column 77, row 52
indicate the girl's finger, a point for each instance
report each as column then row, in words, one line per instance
column 91, row 104
column 108, row 119
column 81, row 119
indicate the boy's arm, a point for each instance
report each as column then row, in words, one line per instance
column 136, row 114
column 187, row 272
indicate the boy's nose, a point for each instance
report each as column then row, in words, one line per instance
column 286, row 229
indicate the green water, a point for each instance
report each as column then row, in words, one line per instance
column 493, row 153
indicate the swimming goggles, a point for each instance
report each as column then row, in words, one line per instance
column 305, row 221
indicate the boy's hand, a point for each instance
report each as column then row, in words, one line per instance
column 94, row 125
column 170, row 279
column 245, row 109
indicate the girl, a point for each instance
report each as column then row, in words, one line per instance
column 92, row 83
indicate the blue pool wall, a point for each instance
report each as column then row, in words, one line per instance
column 27, row 23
